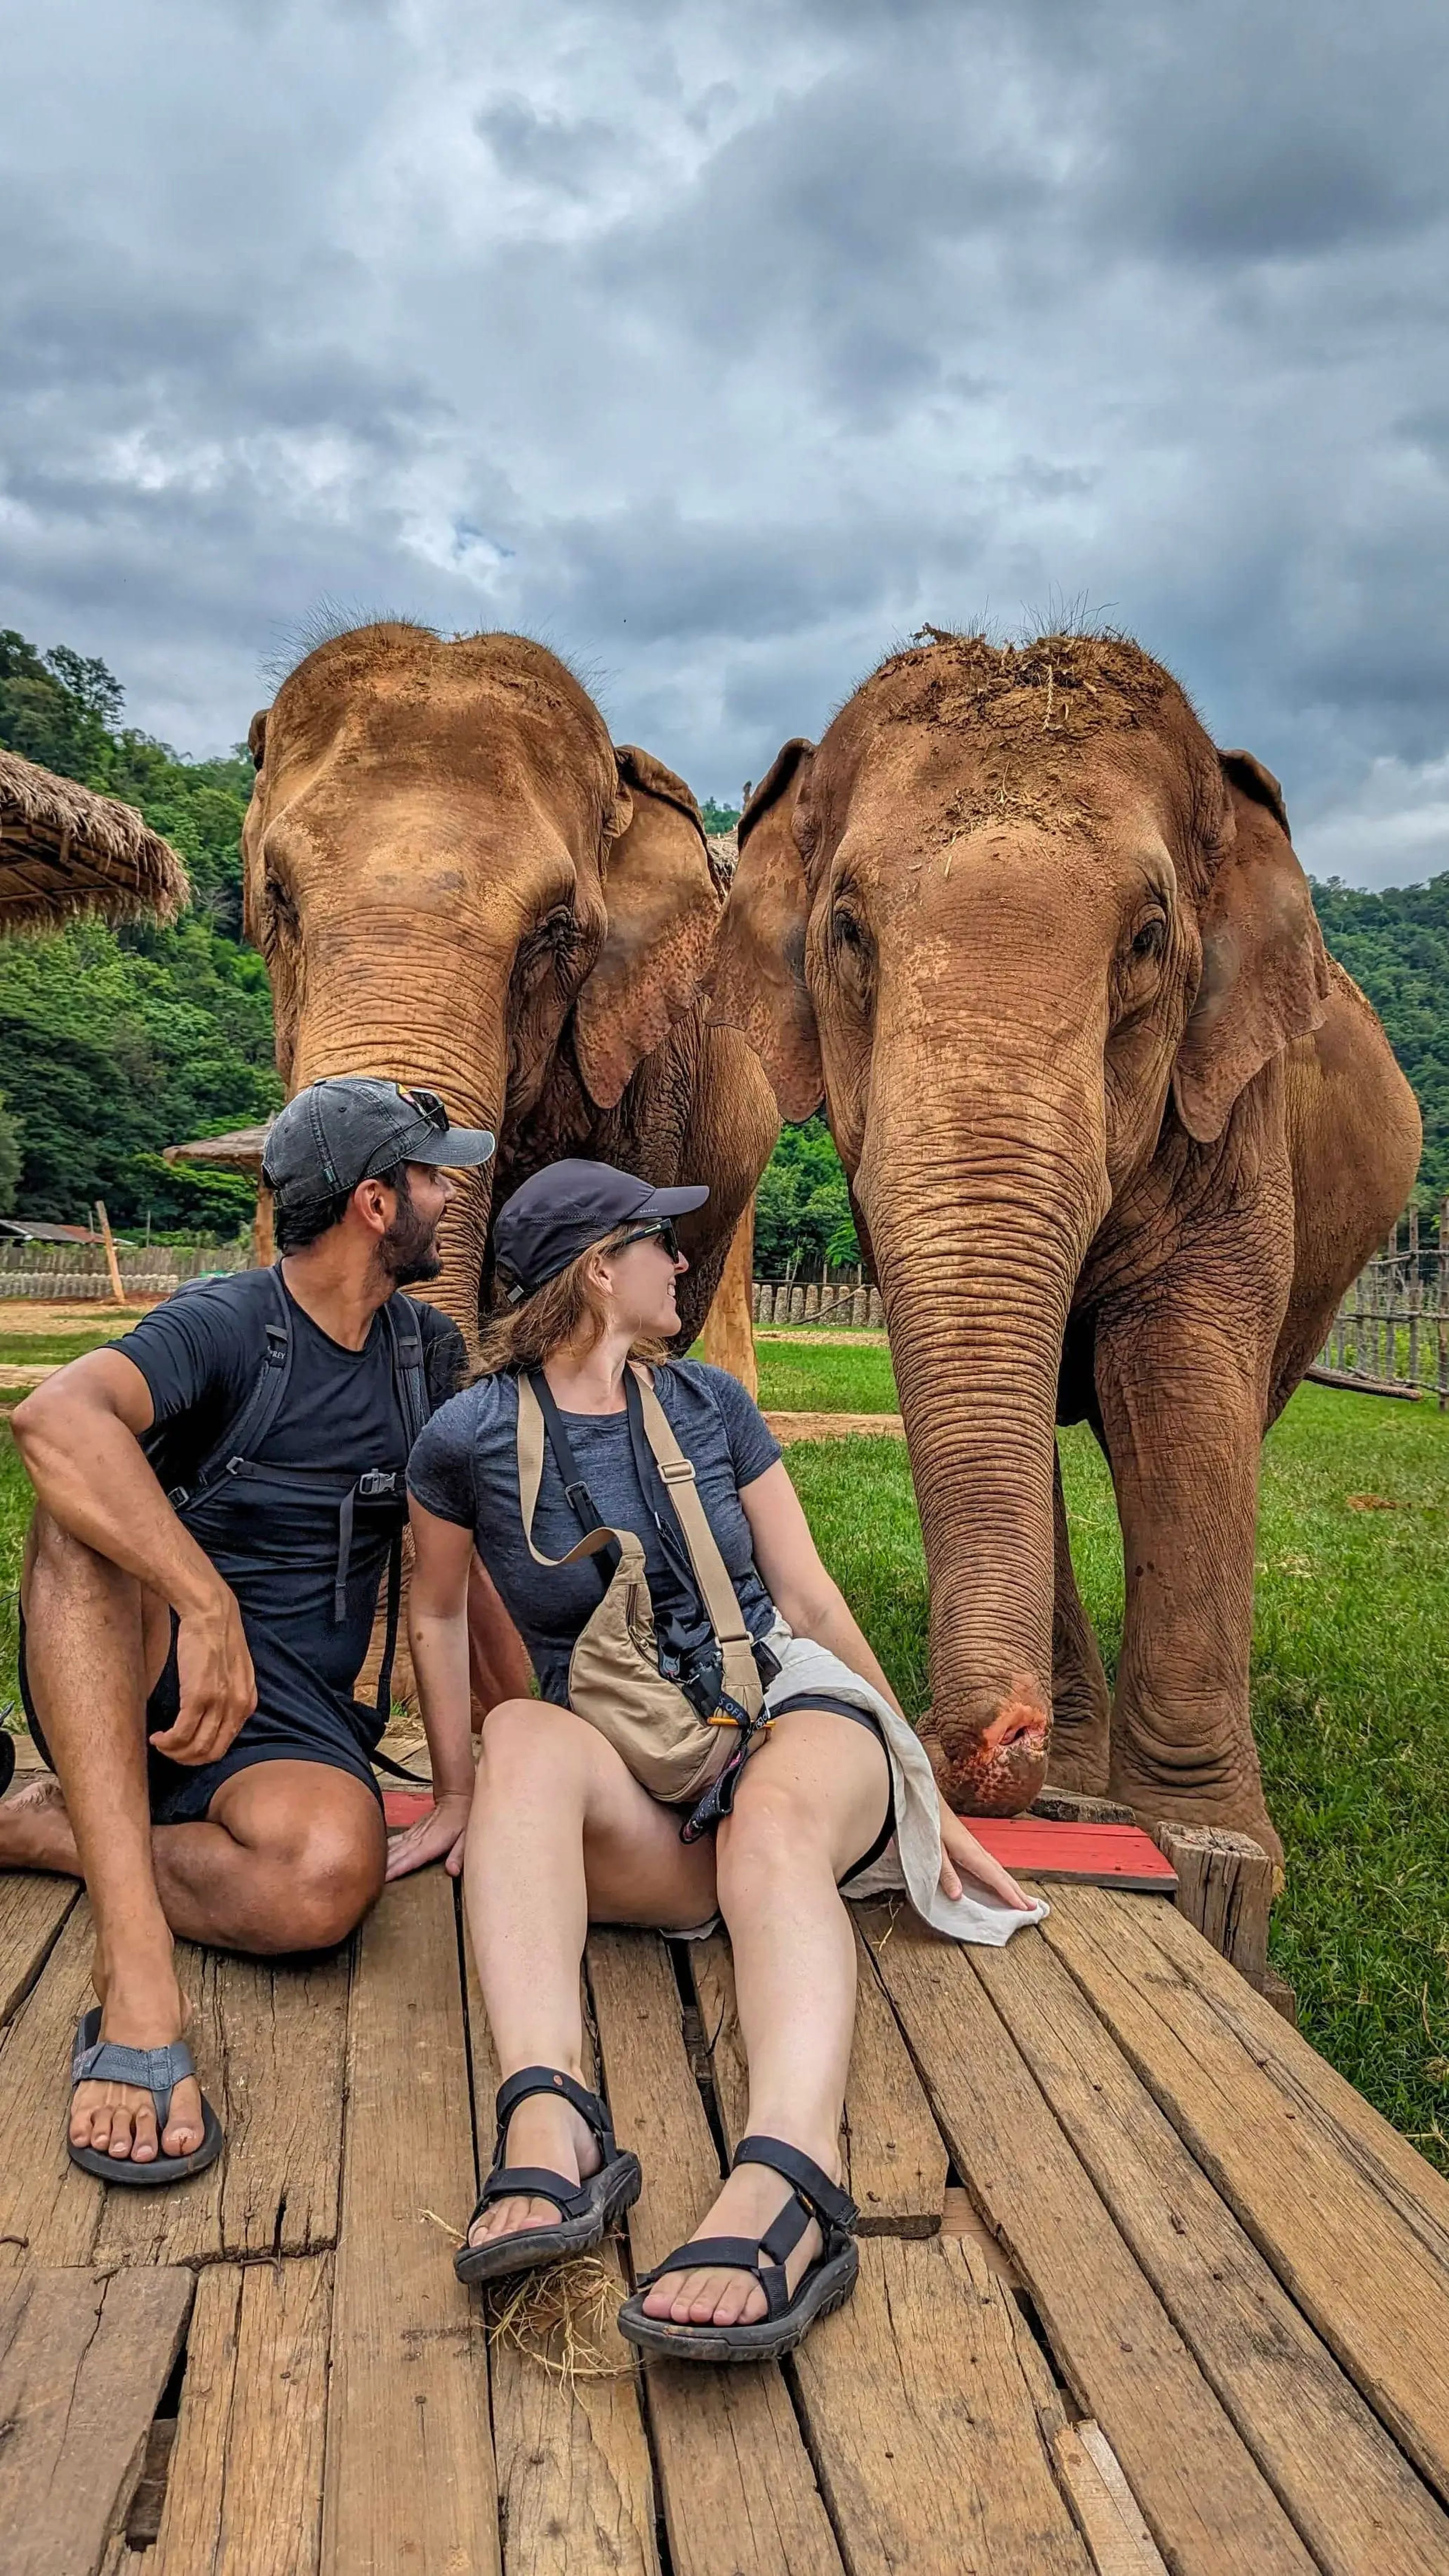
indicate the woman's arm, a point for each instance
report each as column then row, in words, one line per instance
column 806, row 1596
column 438, row 1636
column 812, row 1603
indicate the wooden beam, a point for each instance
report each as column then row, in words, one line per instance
column 1225, row 1887
column 409, row 2478
column 114, row 1267
column 1211, row 2511
column 740, row 2497
column 83, row 2360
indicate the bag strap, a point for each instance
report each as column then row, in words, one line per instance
column 249, row 1428
column 530, row 1477
column 710, row 1571
column 405, row 1330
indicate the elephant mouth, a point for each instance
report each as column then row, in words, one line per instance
column 998, row 1770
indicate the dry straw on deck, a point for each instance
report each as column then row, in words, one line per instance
column 65, row 851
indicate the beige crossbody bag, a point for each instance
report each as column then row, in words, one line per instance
column 614, row 1677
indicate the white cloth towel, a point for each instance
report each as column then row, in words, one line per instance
column 911, row 1861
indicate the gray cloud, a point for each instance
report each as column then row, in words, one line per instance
column 723, row 347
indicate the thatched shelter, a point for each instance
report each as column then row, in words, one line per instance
column 239, row 1150
column 65, row 851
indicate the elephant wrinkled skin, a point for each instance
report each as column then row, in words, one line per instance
column 1118, row 1134
column 456, row 880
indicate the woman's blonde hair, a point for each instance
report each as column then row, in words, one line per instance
column 566, row 1312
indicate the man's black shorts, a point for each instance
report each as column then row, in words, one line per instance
column 182, row 1792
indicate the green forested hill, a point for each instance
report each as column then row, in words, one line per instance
column 114, row 1044
column 1396, row 945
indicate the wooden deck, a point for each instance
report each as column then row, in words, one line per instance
column 1143, row 2282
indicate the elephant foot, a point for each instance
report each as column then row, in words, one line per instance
column 1236, row 1809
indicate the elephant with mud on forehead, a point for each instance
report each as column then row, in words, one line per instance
column 456, row 880
column 1118, row 1135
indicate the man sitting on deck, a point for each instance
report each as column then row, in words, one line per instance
column 217, row 1495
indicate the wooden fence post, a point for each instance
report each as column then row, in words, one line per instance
column 112, row 1264
column 1225, row 1885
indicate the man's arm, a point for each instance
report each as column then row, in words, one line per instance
column 79, row 1435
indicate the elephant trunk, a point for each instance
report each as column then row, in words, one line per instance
column 980, row 1210
column 393, row 1008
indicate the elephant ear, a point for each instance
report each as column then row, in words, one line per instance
column 1264, row 971
column 663, row 900
column 757, row 974
column 257, row 736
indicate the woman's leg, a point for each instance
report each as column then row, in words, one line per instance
column 560, row 1832
column 809, row 1804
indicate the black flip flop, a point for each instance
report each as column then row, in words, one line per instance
column 156, row 2071
column 586, row 2210
column 825, row 2284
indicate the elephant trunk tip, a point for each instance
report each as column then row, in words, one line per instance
column 990, row 1757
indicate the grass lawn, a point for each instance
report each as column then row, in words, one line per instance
column 38, row 1350
column 1349, row 1696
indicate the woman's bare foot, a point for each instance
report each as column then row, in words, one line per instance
column 120, row 2119
column 751, row 2200
column 543, row 2131
column 35, row 1830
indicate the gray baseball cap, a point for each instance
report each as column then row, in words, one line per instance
column 351, row 1127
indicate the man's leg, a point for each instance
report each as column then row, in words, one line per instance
column 96, row 1642
column 289, row 1856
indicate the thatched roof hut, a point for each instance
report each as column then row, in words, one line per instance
column 65, row 851
column 239, row 1150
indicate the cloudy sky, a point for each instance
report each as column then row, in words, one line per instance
column 723, row 345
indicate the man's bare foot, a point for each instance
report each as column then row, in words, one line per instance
column 752, row 2199
column 543, row 2131
column 35, row 1830
column 120, row 2119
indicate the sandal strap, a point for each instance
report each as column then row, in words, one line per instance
column 531, row 2080
column 531, row 2182
column 824, row 2198
column 731, row 2254
column 156, row 2071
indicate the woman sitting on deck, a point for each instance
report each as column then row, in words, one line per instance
column 729, row 1640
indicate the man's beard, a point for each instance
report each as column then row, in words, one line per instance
column 409, row 1249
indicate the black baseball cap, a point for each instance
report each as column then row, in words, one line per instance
column 351, row 1127
column 561, row 1211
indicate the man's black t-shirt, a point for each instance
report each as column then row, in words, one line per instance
column 277, row 1545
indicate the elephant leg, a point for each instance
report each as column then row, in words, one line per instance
column 729, row 1332
column 1182, row 1390
column 1081, row 1703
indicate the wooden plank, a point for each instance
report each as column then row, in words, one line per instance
column 740, row 2497
column 1314, row 2090
column 244, row 2492
column 574, row 2475
column 409, row 2470
column 1207, row 2503
column 1361, row 2275
column 1290, row 2401
column 32, row 1910
column 1120, row 2543
column 83, row 2361
column 895, row 2161
column 1225, row 1885
column 922, row 2424
column 270, row 2043
column 49, row 2209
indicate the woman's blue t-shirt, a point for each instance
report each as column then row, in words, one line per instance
column 464, row 1468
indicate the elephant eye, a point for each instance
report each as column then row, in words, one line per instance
column 1150, row 938
column 845, row 928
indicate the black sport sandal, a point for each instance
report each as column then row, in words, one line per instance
column 586, row 2210
column 825, row 2284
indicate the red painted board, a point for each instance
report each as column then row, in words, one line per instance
column 1105, row 1855
column 405, row 1806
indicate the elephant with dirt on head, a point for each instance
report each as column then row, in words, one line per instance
column 1118, row 1134
column 457, row 881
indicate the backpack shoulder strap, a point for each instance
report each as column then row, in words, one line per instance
column 247, row 1429
column 405, row 1329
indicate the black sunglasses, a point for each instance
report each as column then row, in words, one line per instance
column 663, row 1229
column 429, row 1108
